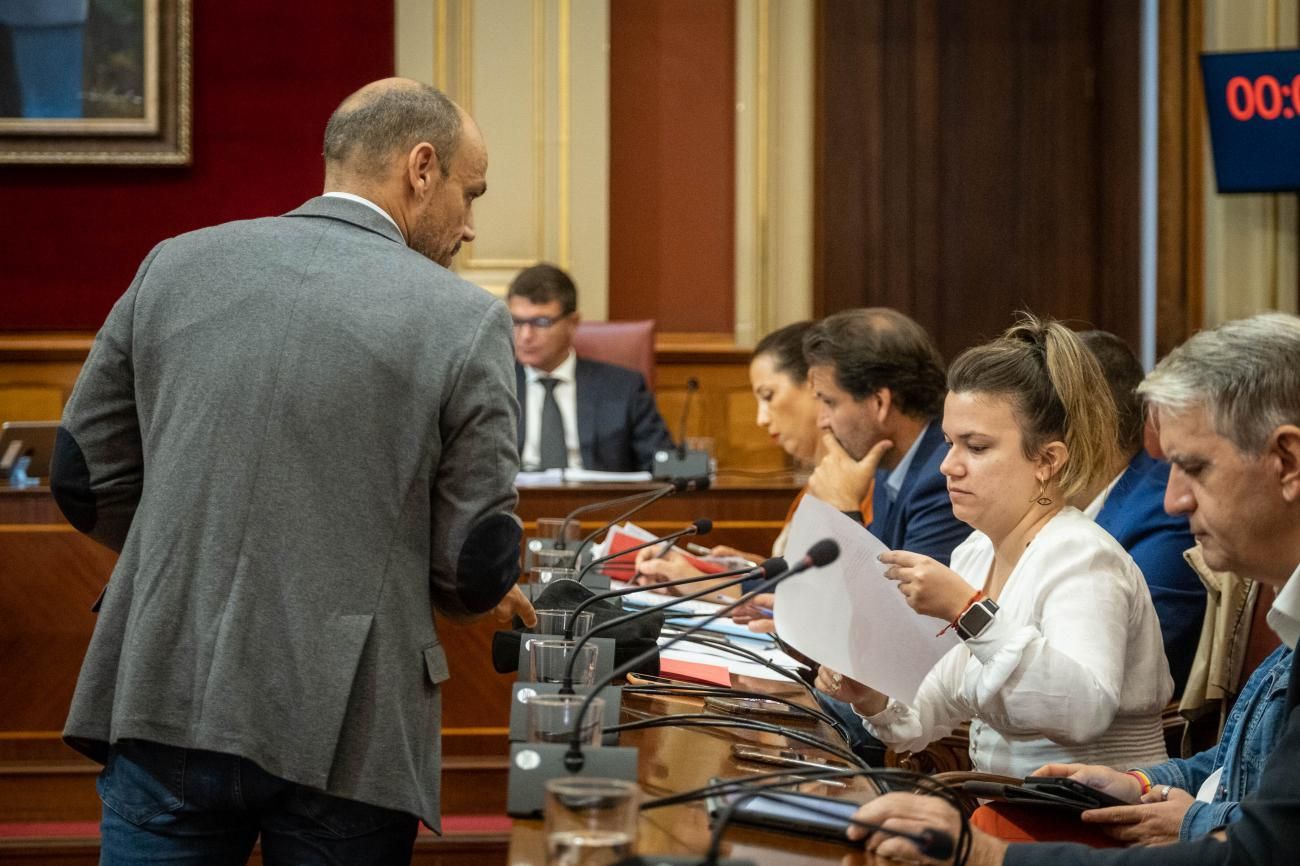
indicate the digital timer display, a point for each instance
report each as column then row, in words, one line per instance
column 1253, row 104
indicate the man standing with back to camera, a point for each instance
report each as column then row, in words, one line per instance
column 299, row 433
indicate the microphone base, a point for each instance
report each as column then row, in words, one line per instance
column 682, row 860
column 612, row 695
column 532, row 765
column 694, row 466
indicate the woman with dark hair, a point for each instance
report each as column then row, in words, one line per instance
column 1061, row 654
column 787, row 410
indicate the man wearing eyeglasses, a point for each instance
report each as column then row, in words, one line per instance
column 574, row 413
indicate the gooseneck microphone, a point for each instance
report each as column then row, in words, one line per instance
column 821, row 553
column 692, row 385
column 775, row 565
column 642, row 498
column 703, row 526
column 763, row 569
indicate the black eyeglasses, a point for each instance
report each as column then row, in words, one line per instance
column 540, row 322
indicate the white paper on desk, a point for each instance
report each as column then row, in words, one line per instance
column 848, row 615
column 547, row 477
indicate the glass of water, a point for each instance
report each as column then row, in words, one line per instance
column 552, row 565
column 552, row 719
column 590, row 821
column 548, row 660
column 557, row 620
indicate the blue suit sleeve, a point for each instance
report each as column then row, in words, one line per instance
column 646, row 426
column 930, row 528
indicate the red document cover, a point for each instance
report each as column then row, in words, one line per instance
column 624, row 567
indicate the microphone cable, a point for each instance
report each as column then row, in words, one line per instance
column 692, row 690
column 648, row 499
column 634, row 588
column 820, row 554
column 750, row 655
column 566, row 688
column 710, row 720
column 883, row 778
column 700, row 526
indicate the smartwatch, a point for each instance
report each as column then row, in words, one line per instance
column 976, row 619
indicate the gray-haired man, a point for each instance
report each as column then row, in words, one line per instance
column 299, row 432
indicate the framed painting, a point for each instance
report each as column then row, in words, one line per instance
column 95, row 81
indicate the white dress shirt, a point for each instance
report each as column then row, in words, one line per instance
column 566, row 395
column 1071, row 669
column 1284, row 616
column 368, row 203
column 1099, row 501
column 894, row 481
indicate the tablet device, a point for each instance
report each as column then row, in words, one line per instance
column 1057, row 793
column 788, row 812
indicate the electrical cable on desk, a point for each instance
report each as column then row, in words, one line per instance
column 728, row 647
column 709, row 720
column 885, row 779
column 727, row 692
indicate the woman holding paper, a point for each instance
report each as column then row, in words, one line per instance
column 1061, row 657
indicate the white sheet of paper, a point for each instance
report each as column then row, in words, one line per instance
column 551, row 477
column 848, row 615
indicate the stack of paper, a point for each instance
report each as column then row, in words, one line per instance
column 848, row 615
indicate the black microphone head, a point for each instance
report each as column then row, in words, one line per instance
column 823, row 552
column 704, row 526
column 935, row 844
column 774, row 566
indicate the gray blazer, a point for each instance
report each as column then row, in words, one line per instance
column 300, row 434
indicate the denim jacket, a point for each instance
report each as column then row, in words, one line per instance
column 1251, row 731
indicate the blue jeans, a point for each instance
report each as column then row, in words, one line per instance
column 164, row 804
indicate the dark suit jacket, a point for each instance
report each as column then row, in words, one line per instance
column 921, row 520
column 1135, row 515
column 1268, row 833
column 619, row 426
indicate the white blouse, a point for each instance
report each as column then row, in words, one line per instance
column 1071, row 669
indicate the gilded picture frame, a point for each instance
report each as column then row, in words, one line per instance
column 95, row 82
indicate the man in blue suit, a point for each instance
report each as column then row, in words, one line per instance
column 574, row 413
column 1130, row 506
column 881, row 384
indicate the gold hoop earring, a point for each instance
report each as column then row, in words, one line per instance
column 1042, row 498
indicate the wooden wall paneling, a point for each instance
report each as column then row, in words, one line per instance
column 962, row 169
column 847, row 153
column 1180, row 244
column 671, row 163
column 723, row 408
column 1119, row 127
column 37, row 372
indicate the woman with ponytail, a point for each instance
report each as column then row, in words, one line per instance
column 1061, row 656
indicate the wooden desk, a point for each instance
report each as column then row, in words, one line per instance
column 674, row 760
column 50, row 575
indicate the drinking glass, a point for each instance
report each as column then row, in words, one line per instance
column 547, row 660
column 589, row 821
column 551, row 565
column 556, row 621
column 551, row 719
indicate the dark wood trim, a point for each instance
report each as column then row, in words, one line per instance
column 1180, row 247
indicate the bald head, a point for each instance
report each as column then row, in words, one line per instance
column 371, row 132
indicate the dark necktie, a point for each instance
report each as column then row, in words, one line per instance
column 554, row 453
